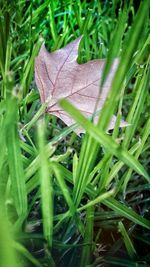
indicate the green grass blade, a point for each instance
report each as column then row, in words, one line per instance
column 63, row 187
column 86, row 162
column 88, row 238
column 132, row 44
column 8, row 255
column 46, row 186
column 24, row 252
column 128, row 243
column 104, row 139
column 38, row 114
column 115, row 43
column 75, row 166
column 146, row 133
column 35, row 164
column 97, row 200
column 112, row 261
column 52, row 21
column 115, row 205
column 126, row 212
column 15, row 162
column 28, row 69
column 141, row 91
column 116, row 168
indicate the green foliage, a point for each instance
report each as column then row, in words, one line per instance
column 68, row 200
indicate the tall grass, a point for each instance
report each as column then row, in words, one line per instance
column 68, row 200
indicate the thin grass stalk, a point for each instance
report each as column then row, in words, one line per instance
column 46, row 186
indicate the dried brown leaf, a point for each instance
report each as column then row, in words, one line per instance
column 58, row 75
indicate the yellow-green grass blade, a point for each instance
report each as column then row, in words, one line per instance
column 97, row 200
column 17, row 175
column 35, row 164
column 8, row 255
column 3, row 178
column 75, row 166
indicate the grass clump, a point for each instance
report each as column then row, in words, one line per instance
column 68, row 200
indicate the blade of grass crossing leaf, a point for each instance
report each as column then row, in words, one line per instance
column 94, row 152
column 133, row 40
column 105, row 171
column 45, row 185
column 104, row 139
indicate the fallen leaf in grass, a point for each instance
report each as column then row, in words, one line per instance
column 58, row 75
